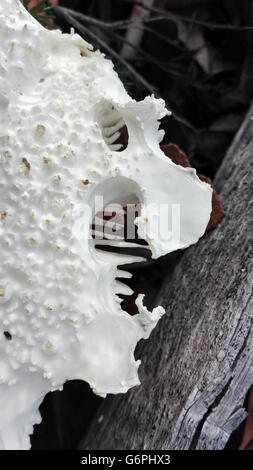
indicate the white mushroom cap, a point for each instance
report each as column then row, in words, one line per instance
column 58, row 300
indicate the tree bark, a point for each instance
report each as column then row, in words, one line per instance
column 197, row 365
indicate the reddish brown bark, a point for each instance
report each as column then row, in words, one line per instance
column 248, row 430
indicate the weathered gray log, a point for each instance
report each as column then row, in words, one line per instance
column 198, row 364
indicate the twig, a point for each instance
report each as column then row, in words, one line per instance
column 186, row 19
column 121, row 25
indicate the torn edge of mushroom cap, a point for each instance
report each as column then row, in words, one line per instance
column 163, row 185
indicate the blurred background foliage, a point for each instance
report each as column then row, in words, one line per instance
column 198, row 56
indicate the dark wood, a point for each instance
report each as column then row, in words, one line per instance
column 197, row 366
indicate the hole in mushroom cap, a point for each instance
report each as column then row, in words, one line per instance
column 113, row 126
column 114, row 231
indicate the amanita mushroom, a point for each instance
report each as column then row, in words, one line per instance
column 61, row 106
